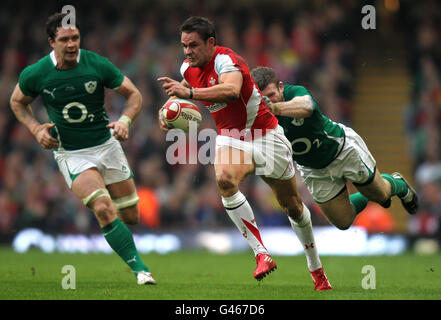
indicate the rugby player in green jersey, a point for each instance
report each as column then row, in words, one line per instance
column 328, row 154
column 71, row 82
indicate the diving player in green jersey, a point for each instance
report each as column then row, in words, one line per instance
column 71, row 82
column 328, row 154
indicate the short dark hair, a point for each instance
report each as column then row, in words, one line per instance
column 54, row 22
column 202, row 26
column 263, row 76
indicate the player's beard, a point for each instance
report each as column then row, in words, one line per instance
column 70, row 59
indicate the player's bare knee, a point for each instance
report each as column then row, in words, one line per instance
column 343, row 224
column 225, row 182
column 379, row 198
column 292, row 206
column 384, row 198
column 130, row 215
column 103, row 210
column 132, row 219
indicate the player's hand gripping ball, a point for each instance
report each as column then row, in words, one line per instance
column 179, row 113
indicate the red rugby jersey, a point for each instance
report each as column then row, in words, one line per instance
column 246, row 117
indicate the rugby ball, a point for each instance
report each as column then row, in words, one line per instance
column 179, row 113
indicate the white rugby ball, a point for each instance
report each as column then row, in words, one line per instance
column 179, row 113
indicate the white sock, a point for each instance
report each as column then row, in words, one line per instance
column 303, row 230
column 242, row 215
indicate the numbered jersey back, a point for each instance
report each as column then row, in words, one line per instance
column 74, row 98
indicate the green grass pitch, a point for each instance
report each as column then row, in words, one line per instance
column 203, row 276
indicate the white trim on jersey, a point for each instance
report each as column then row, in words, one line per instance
column 184, row 68
column 223, row 64
column 253, row 107
column 54, row 60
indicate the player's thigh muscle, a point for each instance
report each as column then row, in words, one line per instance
column 231, row 166
column 122, row 189
column 378, row 190
column 339, row 210
column 87, row 182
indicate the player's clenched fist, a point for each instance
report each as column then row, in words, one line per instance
column 44, row 137
column 120, row 130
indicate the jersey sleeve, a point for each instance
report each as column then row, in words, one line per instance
column 224, row 63
column 304, row 92
column 27, row 83
column 111, row 75
column 301, row 91
column 291, row 92
column 184, row 68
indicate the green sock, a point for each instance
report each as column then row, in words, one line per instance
column 398, row 186
column 120, row 239
column 358, row 202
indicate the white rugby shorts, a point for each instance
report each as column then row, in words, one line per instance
column 108, row 158
column 271, row 154
column 354, row 164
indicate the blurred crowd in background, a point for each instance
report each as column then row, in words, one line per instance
column 422, row 24
column 312, row 43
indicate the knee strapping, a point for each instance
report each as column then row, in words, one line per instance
column 127, row 201
column 95, row 195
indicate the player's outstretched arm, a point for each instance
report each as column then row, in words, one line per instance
column 298, row 107
column 130, row 112
column 228, row 89
column 20, row 105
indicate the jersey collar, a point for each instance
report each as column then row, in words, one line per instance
column 54, row 60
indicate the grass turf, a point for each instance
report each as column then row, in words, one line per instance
column 203, row 276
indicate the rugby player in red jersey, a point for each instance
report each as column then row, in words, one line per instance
column 249, row 140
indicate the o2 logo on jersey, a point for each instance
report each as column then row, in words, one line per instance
column 306, row 144
column 298, row 122
column 82, row 108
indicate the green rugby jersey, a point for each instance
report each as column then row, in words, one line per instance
column 315, row 140
column 74, row 98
